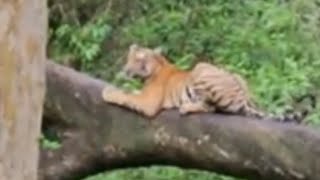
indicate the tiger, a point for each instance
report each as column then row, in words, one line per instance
column 204, row 88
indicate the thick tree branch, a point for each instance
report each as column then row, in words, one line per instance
column 99, row 136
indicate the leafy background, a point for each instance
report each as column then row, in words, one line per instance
column 274, row 44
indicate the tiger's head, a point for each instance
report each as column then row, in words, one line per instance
column 142, row 62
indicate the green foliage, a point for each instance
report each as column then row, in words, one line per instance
column 81, row 43
column 159, row 173
column 274, row 44
column 49, row 139
column 49, row 142
column 125, row 83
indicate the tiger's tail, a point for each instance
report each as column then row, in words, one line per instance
column 290, row 116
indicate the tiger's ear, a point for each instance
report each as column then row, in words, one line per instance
column 157, row 50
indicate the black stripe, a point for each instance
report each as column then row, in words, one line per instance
column 218, row 99
column 189, row 94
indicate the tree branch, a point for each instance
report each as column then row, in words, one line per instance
column 99, row 136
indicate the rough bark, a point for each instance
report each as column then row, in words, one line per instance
column 99, row 136
column 23, row 42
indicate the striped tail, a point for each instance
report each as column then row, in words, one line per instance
column 296, row 117
column 299, row 116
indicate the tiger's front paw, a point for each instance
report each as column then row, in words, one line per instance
column 112, row 95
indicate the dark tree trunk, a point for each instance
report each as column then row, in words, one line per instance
column 98, row 136
column 23, row 42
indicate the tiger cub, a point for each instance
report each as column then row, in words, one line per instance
column 205, row 88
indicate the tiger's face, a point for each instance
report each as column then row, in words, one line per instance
column 141, row 62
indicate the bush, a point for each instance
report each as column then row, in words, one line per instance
column 274, row 44
column 159, row 173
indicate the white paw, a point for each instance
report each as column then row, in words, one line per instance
column 183, row 111
column 110, row 94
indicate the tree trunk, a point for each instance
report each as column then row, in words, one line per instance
column 23, row 41
column 99, row 136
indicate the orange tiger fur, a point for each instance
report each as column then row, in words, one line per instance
column 205, row 88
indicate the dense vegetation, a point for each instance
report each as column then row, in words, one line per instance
column 274, row 44
column 159, row 173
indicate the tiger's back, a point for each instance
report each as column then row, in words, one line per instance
column 220, row 88
column 208, row 86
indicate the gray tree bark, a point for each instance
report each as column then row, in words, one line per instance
column 23, row 41
column 98, row 136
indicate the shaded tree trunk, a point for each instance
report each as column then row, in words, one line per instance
column 23, row 41
column 98, row 136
